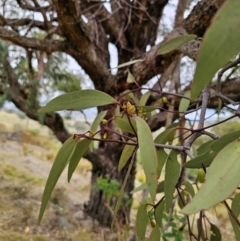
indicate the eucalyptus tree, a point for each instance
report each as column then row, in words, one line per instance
column 84, row 30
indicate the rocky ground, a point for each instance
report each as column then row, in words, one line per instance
column 25, row 160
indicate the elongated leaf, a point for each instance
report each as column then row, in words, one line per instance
column 126, row 154
column 221, row 47
column 128, row 63
column 141, row 222
column 160, row 187
column 161, row 157
column 159, row 213
column 95, row 125
column 203, row 160
column 119, row 200
column 189, row 188
column 184, row 103
column 224, row 140
column 79, row 151
column 216, row 234
column 58, row 166
column 204, row 147
column 214, row 148
column 124, row 125
column 171, row 178
column 139, row 188
column 146, row 109
column 181, row 200
column 144, row 98
column 98, row 120
column 148, row 155
column 166, row 136
column 236, row 210
column 222, row 179
column 155, row 234
column 172, row 126
column 78, row 100
column 175, row 43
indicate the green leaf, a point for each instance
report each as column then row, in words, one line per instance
column 144, row 98
column 217, row 48
column 79, row 151
column 58, row 166
column 236, row 210
column 189, row 188
column 222, row 179
column 95, row 126
column 128, row 63
column 126, row 154
column 166, row 136
column 216, row 234
column 98, row 120
column 224, row 140
column 139, row 188
column 175, row 43
column 130, row 78
column 203, row 160
column 155, row 234
column 181, row 199
column 159, row 213
column 148, row 155
column 160, row 187
column 128, row 95
column 141, row 222
column 123, row 124
column 184, row 103
column 173, row 125
column 236, row 205
column 78, row 100
column 171, row 178
column 213, row 148
column 146, row 109
column 119, row 200
column 204, row 147
column 161, row 157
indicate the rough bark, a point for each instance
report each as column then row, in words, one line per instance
column 97, row 207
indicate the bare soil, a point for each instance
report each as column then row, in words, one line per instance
column 26, row 156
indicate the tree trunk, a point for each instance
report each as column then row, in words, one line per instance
column 98, row 206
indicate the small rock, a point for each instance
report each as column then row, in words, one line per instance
column 65, row 224
column 79, row 215
column 19, row 203
column 88, row 223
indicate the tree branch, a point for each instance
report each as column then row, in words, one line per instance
column 27, row 22
column 19, row 98
column 47, row 46
column 93, row 58
column 26, row 6
column 202, row 14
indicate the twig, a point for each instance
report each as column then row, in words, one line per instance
column 200, row 226
column 205, row 98
column 220, row 74
column 191, row 234
column 213, row 136
column 177, row 148
column 231, row 213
